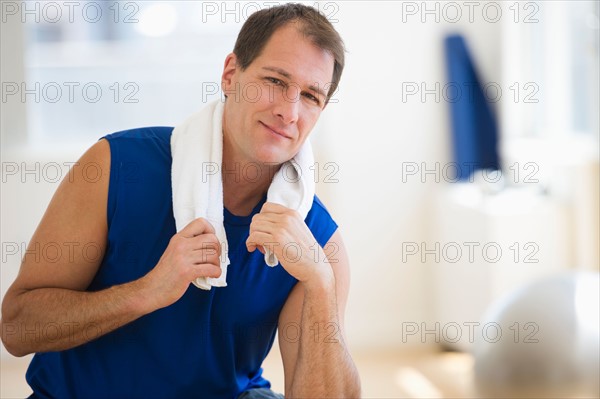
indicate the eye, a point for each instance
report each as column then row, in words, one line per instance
column 312, row 98
column 274, row 80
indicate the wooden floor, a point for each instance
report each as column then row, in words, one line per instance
column 387, row 374
column 400, row 375
column 383, row 375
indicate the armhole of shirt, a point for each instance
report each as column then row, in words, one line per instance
column 113, row 179
column 329, row 226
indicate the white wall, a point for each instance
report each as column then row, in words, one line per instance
column 368, row 134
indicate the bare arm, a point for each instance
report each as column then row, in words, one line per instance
column 319, row 364
column 47, row 309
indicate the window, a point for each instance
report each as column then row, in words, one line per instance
column 95, row 67
column 551, row 64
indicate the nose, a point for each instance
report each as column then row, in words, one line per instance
column 286, row 107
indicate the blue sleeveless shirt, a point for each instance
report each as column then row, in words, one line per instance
column 208, row 344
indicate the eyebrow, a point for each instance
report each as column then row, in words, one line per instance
column 287, row 75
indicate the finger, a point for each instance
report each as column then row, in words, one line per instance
column 196, row 227
column 207, row 256
column 205, row 242
column 252, row 246
column 258, row 238
column 207, row 270
column 264, row 226
column 265, row 217
column 279, row 213
column 273, row 208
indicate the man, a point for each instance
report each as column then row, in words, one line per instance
column 127, row 323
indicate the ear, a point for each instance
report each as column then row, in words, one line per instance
column 229, row 69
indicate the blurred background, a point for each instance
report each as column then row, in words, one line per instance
column 459, row 158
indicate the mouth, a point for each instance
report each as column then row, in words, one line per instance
column 275, row 131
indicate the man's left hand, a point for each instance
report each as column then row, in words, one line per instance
column 282, row 230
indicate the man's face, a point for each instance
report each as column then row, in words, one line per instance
column 273, row 105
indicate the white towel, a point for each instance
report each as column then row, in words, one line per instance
column 197, row 151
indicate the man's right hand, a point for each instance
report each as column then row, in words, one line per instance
column 193, row 252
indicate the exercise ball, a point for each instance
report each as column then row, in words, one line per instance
column 542, row 340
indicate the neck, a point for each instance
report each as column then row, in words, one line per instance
column 245, row 182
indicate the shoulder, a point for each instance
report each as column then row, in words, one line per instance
column 160, row 134
column 140, row 168
column 140, row 143
column 318, row 209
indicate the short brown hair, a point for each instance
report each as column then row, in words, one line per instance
column 261, row 25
